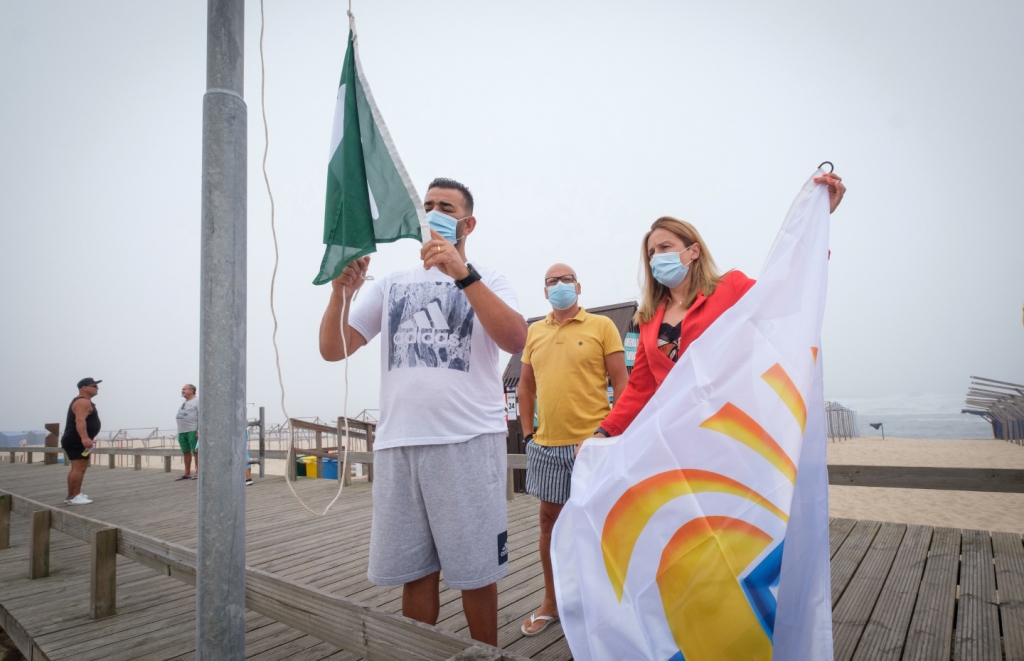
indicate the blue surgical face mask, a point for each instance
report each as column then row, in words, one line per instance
column 443, row 224
column 668, row 268
column 562, row 295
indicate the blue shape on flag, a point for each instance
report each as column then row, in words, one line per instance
column 678, row 656
column 758, row 586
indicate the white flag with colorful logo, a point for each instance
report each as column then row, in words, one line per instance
column 701, row 533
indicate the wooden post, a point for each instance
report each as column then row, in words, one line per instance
column 319, row 460
column 39, row 549
column 28, row 457
column 510, row 487
column 138, row 462
column 110, row 460
column 51, row 442
column 13, row 457
column 5, row 521
column 369, row 448
column 290, row 467
column 344, row 475
column 167, row 464
column 103, row 574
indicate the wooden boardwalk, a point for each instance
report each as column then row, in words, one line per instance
column 898, row 591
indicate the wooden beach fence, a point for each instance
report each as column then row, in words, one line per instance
column 1001, row 403
column 360, row 440
column 360, row 452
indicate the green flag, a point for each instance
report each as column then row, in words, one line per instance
column 370, row 198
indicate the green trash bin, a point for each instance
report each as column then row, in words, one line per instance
column 300, row 467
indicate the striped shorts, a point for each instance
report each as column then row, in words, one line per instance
column 549, row 471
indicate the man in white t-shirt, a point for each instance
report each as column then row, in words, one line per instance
column 439, row 450
column 188, row 431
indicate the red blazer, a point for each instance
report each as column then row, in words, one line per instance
column 650, row 367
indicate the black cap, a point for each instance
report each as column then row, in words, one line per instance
column 89, row 382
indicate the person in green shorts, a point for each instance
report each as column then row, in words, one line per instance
column 188, row 431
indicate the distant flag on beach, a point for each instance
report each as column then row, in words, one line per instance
column 701, row 533
column 370, row 198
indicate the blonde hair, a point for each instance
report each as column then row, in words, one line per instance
column 704, row 275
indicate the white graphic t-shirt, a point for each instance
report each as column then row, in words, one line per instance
column 440, row 381
column 188, row 416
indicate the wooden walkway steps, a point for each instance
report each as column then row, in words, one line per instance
column 898, row 591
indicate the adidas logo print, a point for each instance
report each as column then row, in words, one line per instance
column 427, row 326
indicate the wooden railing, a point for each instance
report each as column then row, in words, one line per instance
column 370, row 632
column 992, row 480
column 515, row 461
column 362, row 432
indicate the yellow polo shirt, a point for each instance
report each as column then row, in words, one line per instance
column 572, row 381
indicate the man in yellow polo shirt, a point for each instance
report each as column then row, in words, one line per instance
column 568, row 360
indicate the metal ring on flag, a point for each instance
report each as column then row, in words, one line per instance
column 832, row 168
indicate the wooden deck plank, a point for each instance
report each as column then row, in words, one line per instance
column 849, row 556
column 886, row 631
column 305, row 648
column 124, row 629
column 977, row 614
column 838, row 530
column 164, row 640
column 850, row 615
column 320, row 537
column 931, row 628
column 1009, row 560
column 873, row 602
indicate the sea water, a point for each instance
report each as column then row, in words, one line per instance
column 918, row 416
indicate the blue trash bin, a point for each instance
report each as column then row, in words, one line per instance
column 330, row 469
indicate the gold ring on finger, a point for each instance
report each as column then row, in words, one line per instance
column 438, row 250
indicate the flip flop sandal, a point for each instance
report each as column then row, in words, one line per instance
column 546, row 619
column 182, row 477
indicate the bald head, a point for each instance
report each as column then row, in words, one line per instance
column 558, row 270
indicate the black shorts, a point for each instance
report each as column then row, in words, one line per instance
column 73, row 448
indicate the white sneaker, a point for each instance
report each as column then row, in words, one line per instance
column 80, row 499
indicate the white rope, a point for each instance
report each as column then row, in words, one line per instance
column 290, row 457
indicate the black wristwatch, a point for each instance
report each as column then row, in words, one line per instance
column 528, row 438
column 603, row 432
column 469, row 279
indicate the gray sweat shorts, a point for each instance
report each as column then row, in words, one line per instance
column 440, row 507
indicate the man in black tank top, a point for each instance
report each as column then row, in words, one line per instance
column 82, row 426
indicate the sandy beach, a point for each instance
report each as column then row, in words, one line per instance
column 955, row 509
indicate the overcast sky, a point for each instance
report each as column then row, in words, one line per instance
column 575, row 124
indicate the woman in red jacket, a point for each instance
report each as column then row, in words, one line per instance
column 683, row 295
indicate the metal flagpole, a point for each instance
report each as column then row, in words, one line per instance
column 220, row 581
